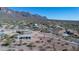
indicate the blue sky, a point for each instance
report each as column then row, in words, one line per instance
column 62, row 13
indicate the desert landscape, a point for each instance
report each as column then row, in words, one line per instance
column 23, row 31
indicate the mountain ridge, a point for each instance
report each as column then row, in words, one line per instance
column 7, row 14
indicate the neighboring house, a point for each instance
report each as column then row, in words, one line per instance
column 63, row 33
column 68, row 32
column 23, row 34
column 24, row 37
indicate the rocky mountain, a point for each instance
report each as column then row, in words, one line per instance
column 8, row 14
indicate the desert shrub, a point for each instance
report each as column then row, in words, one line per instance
column 29, row 45
column 24, row 43
column 48, row 47
column 34, row 46
column 65, row 50
column 37, row 41
column 5, row 44
column 62, row 44
column 66, row 43
column 18, row 44
column 48, row 41
column 40, row 38
column 42, row 49
column 42, row 41
column 11, row 50
column 58, row 42
column 45, row 30
column 21, row 50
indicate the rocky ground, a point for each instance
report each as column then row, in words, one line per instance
column 41, row 42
